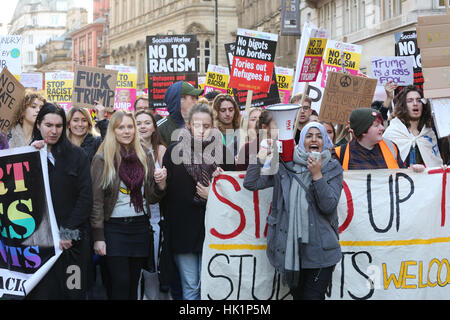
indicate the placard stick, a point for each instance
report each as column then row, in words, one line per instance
column 305, row 90
column 248, row 104
column 446, row 7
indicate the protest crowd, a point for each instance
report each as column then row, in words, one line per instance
column 130, row 188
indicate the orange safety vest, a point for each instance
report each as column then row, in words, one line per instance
column 388, row 155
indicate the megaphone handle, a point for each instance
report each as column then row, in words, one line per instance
column 305, row 90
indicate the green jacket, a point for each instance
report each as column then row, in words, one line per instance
column 165, row 127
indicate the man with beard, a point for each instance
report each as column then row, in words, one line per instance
column 412, row 129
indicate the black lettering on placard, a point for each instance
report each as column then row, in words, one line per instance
column 220, row 276
column 355, row 265
column 343, row 272
column 369, row 205
column 317, row 91
column 254, row 285
column 397, row 194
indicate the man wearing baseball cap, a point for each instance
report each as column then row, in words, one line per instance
column 368, row 150
column 180, row 97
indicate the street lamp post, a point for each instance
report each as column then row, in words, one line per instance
column 216, row 9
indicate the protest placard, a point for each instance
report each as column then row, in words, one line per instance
column 234, row 260
column 440, row 108
column 29, row 237
column 170, row 59
column 11, row 54
column 391, row 249
column 343, row 94
column 58, row 88
column 285, row 77
column 94, row 84
column 399, row 70
column 406, row 45
column 433, row 38
column 332, row 60
column 217, row 79
column 32, row 80
column 252, row 67
column 125, row 88
column 313, row 56
column 12, row 94
column 258, row 99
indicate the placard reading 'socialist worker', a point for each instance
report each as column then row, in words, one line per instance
column 170, row 59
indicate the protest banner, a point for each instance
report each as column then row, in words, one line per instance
column 32, row 80
column 258, row 99
column 234, row 261
column 170, row 59
column 333, row 62
column 11, row 54
column 12, row 94
column 94, row 84
column 440, row 109
column 290, row 18
column 254, row 55
column 58, row 88
column 394, row 236
column 433, row 38
column 29, row 237
column 406, row 45
column 285, row 77
column 399, row 70
column 217, row 79
column 343, row 94
column 125, row 88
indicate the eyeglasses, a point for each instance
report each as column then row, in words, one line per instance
column 305, row 108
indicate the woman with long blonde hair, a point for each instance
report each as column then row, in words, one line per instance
column 125, row 182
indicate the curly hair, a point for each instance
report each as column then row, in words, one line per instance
column 27, row 101
column 401, row 109
column 216, row 107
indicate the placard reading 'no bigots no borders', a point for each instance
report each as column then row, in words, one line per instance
column 394, row 235
column 252, row 67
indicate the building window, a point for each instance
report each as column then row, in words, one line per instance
column 207, row 55
column 30, row 57
column 391, row 8
column 327, row 18
column 354, row 12
column 441, row 3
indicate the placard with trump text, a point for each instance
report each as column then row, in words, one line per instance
column 343, row 94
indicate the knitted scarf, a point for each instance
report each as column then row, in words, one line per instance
column 200, row 164
column 131, row 172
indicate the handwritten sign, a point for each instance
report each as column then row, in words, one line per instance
column 441, row 114
column 94, row 84
column 399, row 70
column 343, row 94
column 234, row 260
column 253, row 61
column 11, row 54
column 433, row 38
column 58, row 88
column 12, row 93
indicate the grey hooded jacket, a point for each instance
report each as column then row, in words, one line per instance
column 323, row 249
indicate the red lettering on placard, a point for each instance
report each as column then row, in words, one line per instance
column 350, row 209
column 444, row 187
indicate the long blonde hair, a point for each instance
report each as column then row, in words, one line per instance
column 111, row 148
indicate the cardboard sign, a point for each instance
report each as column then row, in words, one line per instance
column 234, row 260
column 259, row 99
column 399, row 70
column 11, row 54
column 170, row 59
column 58, row 88
column 12, row 94
column 285, row 77
column 29, row 237
column 433, row 38
column 94, row 84
column 217, row 80
column 343, row 94
column 252, row 67
column 313, row 56
column 125, row 88
column 333, row 62
column 440, row 108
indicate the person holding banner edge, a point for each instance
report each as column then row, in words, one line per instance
column 71, row 191
column 302, row 238
column 125, row 182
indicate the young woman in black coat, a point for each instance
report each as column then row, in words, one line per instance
column 71, row 191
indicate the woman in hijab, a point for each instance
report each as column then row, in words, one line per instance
column 302, row 240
